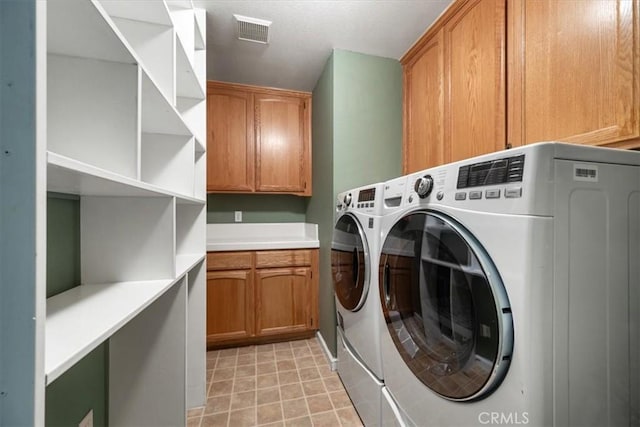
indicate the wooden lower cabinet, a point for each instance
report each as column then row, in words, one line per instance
column 230, row 305
column 261, row 296
column 282, row 300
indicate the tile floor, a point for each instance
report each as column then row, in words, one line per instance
column 282, row 384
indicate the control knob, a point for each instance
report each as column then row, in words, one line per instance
column 423, row 186
column 347, row 199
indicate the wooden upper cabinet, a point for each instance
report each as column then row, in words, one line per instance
column 474, row 68
column 574, row 72
column 454, row 87
column 259, row 139
column 230, row 140
column 423, row 94
column 282, row 144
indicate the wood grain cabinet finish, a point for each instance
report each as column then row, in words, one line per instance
column 230, row 140
column 230, row 302
column 423, row 94
column 474, row 68
column 259, row 140
column 454, row 87
column 492, row 74
column 274, row 296
column 574, row 72
column 282, row 144
column 283, row 302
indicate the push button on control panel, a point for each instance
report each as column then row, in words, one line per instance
column 461, row 195
column 492, row 194
column 475, row 195
column 513, row 192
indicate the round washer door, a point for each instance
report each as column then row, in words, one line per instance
column 445, row 306
column 350, row 263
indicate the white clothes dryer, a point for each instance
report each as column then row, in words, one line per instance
column 510, row 291
column 354, row 263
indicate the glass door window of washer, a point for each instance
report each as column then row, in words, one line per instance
column 350, row 263
column 445, row 306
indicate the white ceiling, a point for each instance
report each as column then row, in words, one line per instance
column 303, row 34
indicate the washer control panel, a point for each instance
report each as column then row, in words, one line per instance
column 367, row 198
column 364, row 199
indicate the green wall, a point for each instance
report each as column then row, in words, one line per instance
column 320, row 207
column 368, row 119
column 84, row 386
column 256, row 207
column 357, row 140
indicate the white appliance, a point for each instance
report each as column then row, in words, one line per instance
column 354, row 263
column 510, row 291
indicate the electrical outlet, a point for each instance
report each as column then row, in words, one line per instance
column 87, row 421
column 238, row 216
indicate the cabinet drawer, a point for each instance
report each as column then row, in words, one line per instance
column 286, row 258
column 228, row 260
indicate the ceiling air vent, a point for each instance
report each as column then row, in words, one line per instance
column 252, row 29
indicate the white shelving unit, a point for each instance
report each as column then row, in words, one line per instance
column 121, row 124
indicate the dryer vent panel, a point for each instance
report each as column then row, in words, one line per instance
column 252, row 29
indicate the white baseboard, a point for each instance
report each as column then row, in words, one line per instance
column 333, row 361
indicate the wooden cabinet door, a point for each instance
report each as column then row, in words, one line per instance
column 230, row 139
column 283, row 300
column 230, row 305
column 283, row 151
column 574, row 72
column 423, row 98
column 474, row 43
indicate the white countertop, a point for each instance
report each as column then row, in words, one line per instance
column 261, row 236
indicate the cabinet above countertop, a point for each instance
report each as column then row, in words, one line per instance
column 259, row 140
column 261, row 236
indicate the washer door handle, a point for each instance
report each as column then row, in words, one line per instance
column 386, row 284
column 355, row 270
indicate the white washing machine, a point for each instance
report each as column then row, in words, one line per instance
column 354, row 264
column 510, row 291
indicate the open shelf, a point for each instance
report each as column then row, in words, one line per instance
column 93, row 123
column 125, row 131
column 153, row 46
column 158, row 115
column 83, row 317
column 186, row 262
column 200, row 187
column 190, row 235
column 187, row 84
column 199, row 33
column 192, row 110
column 155, row 12
column 65, row 175
column 84, row 30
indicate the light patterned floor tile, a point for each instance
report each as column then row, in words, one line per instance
column 273, row 385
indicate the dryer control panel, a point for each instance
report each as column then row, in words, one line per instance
column 492, row 172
